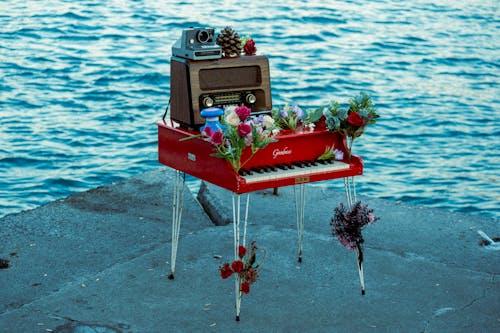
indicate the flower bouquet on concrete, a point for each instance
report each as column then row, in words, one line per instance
column 246, row 271
column 347, row 224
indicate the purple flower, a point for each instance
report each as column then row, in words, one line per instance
column 284, row 113
column 258, row 120
column 339, row 155
column 298, row 111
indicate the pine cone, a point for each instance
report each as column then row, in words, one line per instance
column 230, row 42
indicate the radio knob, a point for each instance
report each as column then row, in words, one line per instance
column 250, row 98
column 208, row 102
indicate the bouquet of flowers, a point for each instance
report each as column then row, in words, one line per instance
column 352, row 121
column 347, row 224
column 288, row 116
column 240, row 131
column 243, row 267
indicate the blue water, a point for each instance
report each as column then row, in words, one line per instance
column 82, row 84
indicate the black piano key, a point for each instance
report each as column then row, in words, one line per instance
column 258, row 169
column 282, row 166
column 314, row 163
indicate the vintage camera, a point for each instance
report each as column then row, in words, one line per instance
column 197, row 44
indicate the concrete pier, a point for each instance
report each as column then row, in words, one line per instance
column 98, row 261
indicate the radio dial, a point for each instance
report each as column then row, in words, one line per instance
column 208, row 102
column 251, row 99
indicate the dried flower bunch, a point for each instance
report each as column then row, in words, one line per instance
column 347, row 224
column 241, row 131
column 244, row 267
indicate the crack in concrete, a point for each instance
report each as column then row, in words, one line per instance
column 444, row 310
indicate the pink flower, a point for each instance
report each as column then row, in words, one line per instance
column 244, row 129
column 207, row 131
column 243, row 112
column 355, row 119
column 248, row 139
column 371, row 217
column 216, row 138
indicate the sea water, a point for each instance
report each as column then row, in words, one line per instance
column 83, row 83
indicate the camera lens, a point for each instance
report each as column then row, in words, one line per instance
column 203, row 36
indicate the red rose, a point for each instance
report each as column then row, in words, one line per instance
column 237, row 266
column 245, row 287
column 249, row 47
column 244, row 129
column 243, row 112
column 216, row 138
column 355, row 119
column 241, row 251
column 225, row 271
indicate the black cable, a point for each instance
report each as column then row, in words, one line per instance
column 166, row 110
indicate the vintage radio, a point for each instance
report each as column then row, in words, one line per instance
column 199, row 84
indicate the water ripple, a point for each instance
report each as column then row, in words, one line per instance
column 83, row 83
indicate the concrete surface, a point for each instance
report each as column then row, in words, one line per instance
column 98, row 262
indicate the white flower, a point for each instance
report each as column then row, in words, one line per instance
column 275, row 131
column 230, row 108
column 233, row 119
column 310, row 126
column 267, row 121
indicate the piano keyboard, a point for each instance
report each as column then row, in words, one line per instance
column 296, row 169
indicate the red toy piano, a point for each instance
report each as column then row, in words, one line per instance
column 292, row 159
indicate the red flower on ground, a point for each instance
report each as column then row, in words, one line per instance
column 241, row 251
column 244, row 129
column 216, row 138
column 237, row 266
column 225, row 271
column 245, row 287
column 355, row 119
column 243, row 112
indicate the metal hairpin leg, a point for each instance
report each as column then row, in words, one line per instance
column 350, row 191
column 236, row 229
column 178, row 202
column 300, row 200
